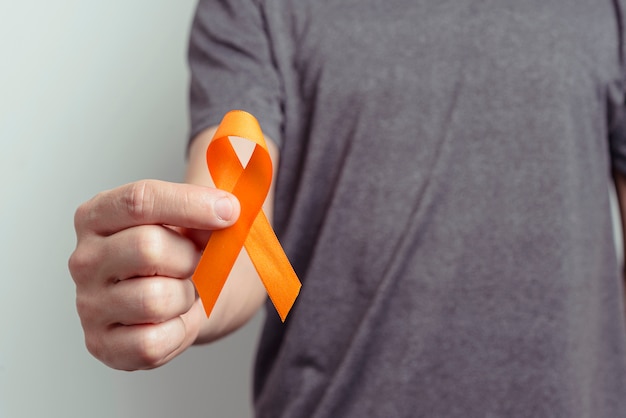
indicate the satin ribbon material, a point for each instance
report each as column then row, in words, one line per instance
column 252, row 230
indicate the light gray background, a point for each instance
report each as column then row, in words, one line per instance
column 92, row 95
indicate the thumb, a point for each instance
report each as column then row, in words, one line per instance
column 156, row 202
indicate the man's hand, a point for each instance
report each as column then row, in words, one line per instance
column 132, row 267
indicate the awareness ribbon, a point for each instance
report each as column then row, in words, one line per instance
column 252, row 230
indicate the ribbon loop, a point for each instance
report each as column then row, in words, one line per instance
column 252, row 230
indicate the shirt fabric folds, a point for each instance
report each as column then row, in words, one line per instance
column 443, row 194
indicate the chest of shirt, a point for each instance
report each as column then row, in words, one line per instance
column 354, row 49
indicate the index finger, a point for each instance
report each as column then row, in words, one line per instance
column 157, row 202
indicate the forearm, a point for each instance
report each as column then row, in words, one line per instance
column 243, row 293
column 620, row 189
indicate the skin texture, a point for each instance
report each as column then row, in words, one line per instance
column 137, row 247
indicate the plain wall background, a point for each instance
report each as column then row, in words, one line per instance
column 92, row 95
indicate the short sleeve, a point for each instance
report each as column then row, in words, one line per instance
column 232, row 66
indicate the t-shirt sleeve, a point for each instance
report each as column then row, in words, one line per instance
column 232, row 66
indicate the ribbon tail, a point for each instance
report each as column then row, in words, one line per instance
column 270, row 261
column 216, row 262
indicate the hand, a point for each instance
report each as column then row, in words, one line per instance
column 132, row 267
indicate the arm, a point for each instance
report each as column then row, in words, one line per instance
column 137, row 247
column 620, row 189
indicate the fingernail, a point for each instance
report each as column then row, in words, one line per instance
column 224, row 208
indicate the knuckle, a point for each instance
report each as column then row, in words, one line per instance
column 150, row 247
column 154, row 301
column 82, row 216
column 139, row 199
column 79, row 215
column 150, row 347
column 79, row 262
column 134, row 348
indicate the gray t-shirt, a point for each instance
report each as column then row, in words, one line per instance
column 443, row 194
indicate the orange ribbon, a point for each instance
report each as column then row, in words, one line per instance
column 252, row 230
